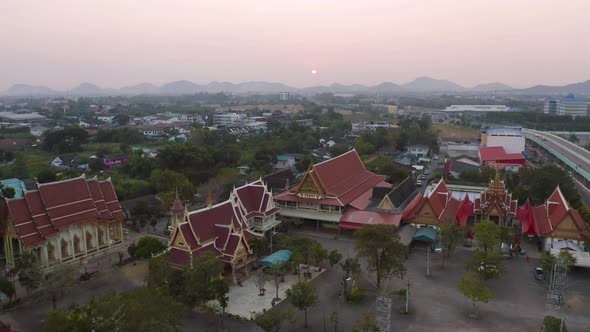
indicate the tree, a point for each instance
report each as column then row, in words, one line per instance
column 159, row 274
column 554, row 324
column 548, row 260
column 318, row 253
column 57, row 282
column 46, row 175
column 303, row 295
column 351, row 268
column 380, row 247
column 29, row 273
column 487, row 235
column 276, row 272
column 450, row 236
column 65, row 141
column 334, row 320
column 474, row 289
column 334, row 257
column 366, row 323
column 272, row 320
column 200, row 280
column 7, row 287
column 147, row 246
column 140, row 309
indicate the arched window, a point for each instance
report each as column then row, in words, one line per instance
column 50, row 252
column 89, row 241
column 100, row 236
column 77, row 249
column 64, row 248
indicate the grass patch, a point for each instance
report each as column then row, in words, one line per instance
column 448, row 132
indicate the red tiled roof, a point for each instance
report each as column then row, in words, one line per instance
column 40, row 213
column 68, row 202
column 497, row 153
column 356, row 219
column 178, row 257
column 333, row 172
column 110, row 197
column 412, row 208
column 545, row 218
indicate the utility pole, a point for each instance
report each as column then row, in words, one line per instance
column 428, row 261
column 408, row 297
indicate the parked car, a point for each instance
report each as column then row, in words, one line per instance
column 539, row 274
column 426, row 172
column 419, row 182
column 422, row 177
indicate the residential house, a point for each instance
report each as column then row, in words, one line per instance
column 419, row 150
column 69, row 161
column 111, row 160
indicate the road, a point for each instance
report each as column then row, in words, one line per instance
column 578, row 156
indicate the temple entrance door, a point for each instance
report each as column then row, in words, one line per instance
column 15, row 249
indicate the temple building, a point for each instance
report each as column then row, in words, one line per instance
column 438, row 206
column 62, row 221
column 224, row 229
column 556, row 222
column 496, row 204
column 328, row 189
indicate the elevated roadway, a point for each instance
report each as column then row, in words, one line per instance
column 569, row 154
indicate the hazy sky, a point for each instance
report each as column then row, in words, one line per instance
column 61, row 43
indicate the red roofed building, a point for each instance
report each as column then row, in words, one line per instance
column 496, row 204
column 224, row 229
column 329, row 188
column 496, row 157
column 63, row 221
column 556, row 221
column 436, row 207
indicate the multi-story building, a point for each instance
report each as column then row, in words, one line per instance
column 229, row 119
column 511, row 139
column 284, row 96
column 570, row 105
column 63, row 221
column 573, row 106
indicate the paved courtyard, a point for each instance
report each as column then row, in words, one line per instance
column 244, row 300
column 435, row 302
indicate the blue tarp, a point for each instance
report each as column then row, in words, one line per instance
column 425, row 234
column 279, row 257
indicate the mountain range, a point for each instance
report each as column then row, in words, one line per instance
column 420, row 85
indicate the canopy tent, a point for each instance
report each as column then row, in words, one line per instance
column 425, row 234
column 279, row 257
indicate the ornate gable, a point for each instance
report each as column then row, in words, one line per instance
column 178, row 240
column 309, row 186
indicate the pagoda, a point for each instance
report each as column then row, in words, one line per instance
column 496, row 204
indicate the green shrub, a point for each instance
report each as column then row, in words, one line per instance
column 355, row 295
column 147, row 245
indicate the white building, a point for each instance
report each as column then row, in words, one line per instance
column 283, row 96
column 476, row 108
column 419, row 150
column 229, row 119
column 573, row 106
column 511, row 139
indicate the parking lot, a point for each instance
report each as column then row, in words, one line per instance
column 436, row 304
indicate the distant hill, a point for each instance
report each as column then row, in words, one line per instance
column 25, row 90
column 491, row 87
column 582, row 88
column 419, row 85
column 427, row 84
